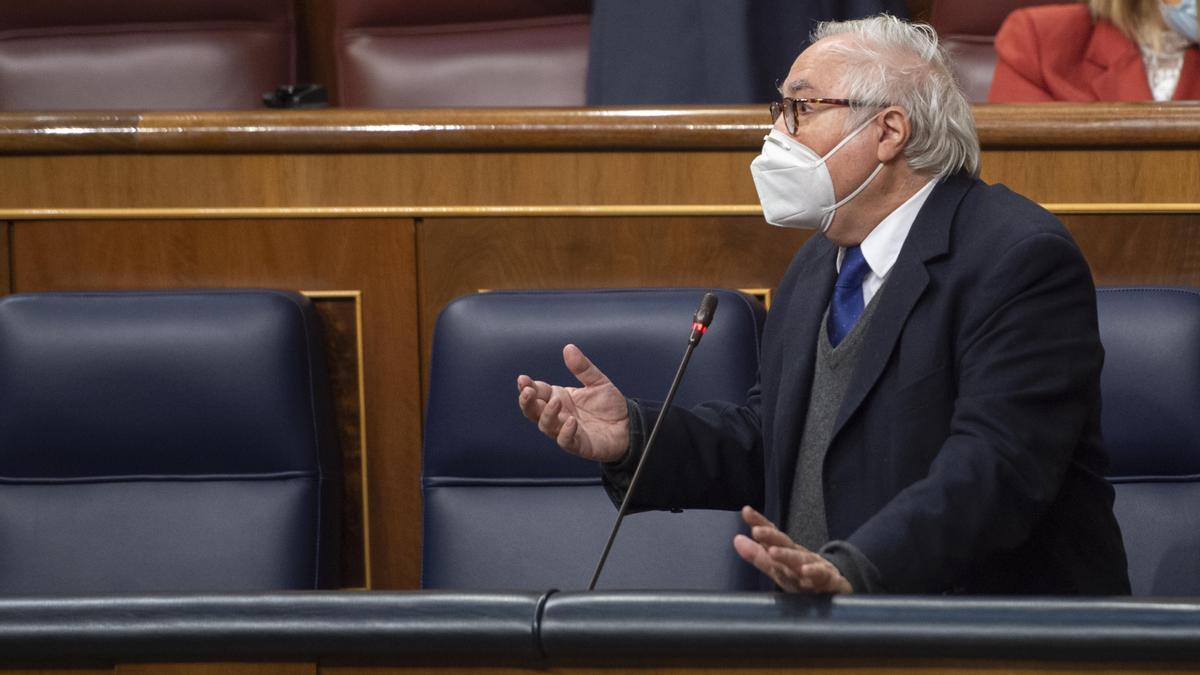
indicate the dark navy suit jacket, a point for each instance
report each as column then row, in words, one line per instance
column 966, row 456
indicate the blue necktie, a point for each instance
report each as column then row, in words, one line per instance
column 847, row 303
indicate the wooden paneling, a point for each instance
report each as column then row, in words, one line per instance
column 461, row 180
column 537, row 159
column 460, row 256
column 528, row 185
column 409, row 130
column 1038, row 125
column 1149, row 176
column 1140, row 249
column 375, row 256
column 57, row 671
column 361, row 180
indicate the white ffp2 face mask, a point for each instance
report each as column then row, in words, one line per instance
column 794, row 185
column 1181, row 16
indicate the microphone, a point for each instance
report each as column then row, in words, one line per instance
column 700, row 322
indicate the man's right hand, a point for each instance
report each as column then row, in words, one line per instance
column 591, row 421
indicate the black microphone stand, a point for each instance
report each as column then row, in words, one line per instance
column 704, row 315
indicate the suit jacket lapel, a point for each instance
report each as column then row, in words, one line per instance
column 928, row 239
column 804, row 311
column 1118, row 72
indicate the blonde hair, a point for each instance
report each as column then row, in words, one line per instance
column 1138, row 19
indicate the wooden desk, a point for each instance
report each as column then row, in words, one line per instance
column 412, row 208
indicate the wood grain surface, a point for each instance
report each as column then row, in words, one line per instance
column 460, row 256
column 1037, row 125
column 380, row 179
column 1140, row 249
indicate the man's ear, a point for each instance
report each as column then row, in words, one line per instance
column 895, row 131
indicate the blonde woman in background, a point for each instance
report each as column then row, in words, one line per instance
column 1100, row 50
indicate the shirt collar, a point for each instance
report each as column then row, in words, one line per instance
column 882, row 246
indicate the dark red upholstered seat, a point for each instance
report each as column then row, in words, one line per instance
column 144, row 54
column 430, row 53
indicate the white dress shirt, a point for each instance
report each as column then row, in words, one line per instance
column 882, row 246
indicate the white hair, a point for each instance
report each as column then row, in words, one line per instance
column 890, row 62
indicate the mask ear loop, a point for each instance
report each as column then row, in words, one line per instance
column 860, row 188
column 850, row 136
column 828, row 211
column 878, row 167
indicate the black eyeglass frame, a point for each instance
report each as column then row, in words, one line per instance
column 788, row 105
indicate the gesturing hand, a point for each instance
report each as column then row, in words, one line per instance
column 792, row 567
column 590, row 421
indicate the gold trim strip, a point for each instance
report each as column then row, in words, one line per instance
column 499, row 211
column 764, row 293
column 363, row 442
column 1122, row 207
column 334, row 295
column 356, row 296
column 362, row 439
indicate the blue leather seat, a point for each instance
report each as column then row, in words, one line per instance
column 165, row 441
column 504, row 507
column 1151, row 425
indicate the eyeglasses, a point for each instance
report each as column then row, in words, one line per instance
column 788, row 107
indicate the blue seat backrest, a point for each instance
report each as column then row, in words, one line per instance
column 1151, row 424
column 165, row 441
column 504, row 507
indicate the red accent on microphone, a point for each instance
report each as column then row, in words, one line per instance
column 697, row 326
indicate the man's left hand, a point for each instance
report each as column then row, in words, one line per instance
column 793, row 568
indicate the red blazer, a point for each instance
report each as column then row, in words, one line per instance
column 1058, row 53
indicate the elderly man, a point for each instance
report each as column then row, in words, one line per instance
column 927, row 413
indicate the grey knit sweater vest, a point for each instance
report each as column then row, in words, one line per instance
column 831, row 377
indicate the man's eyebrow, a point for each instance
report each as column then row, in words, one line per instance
column 795, row 86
